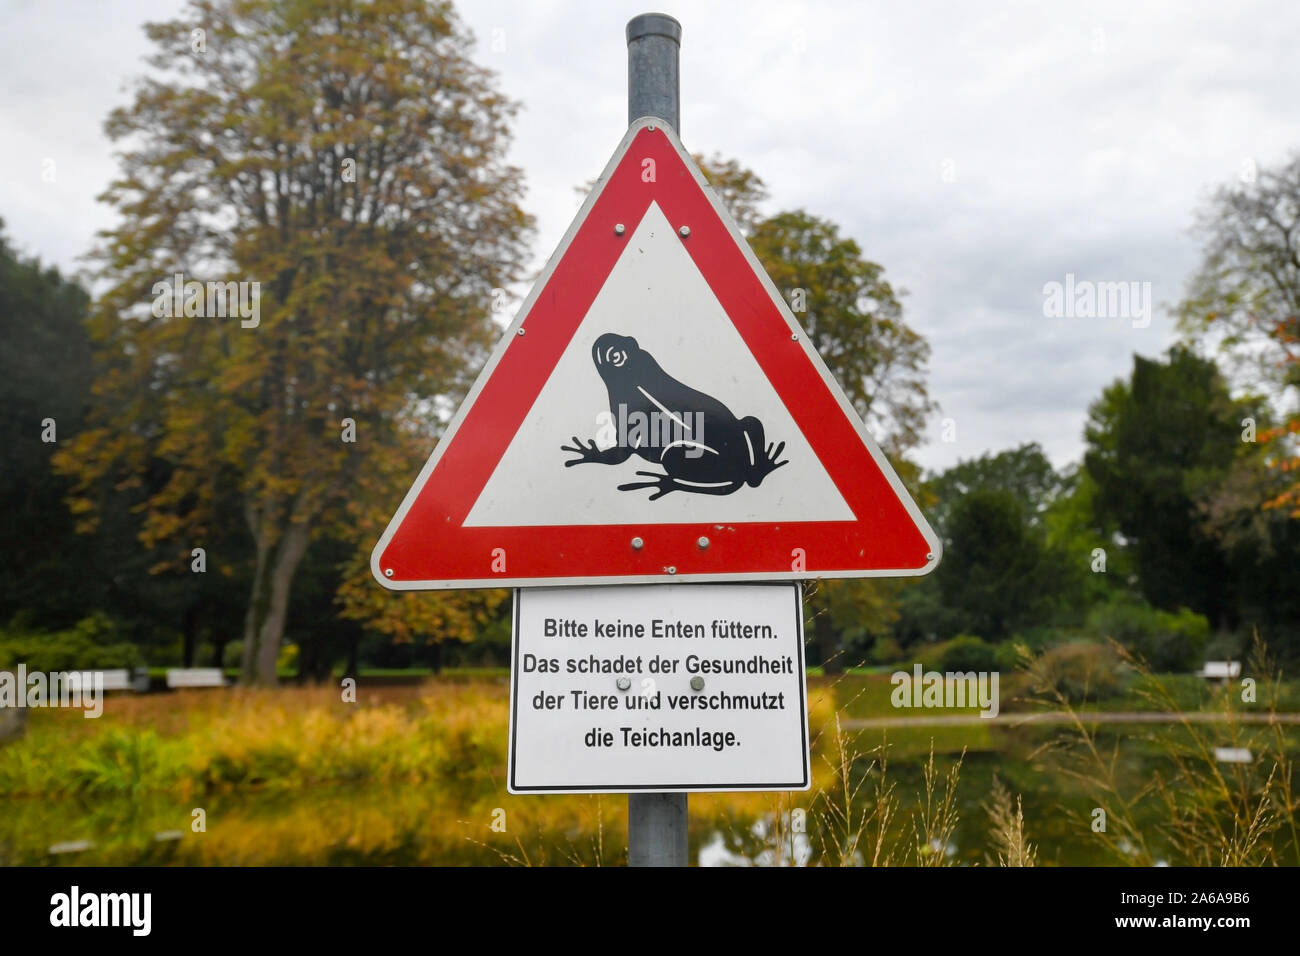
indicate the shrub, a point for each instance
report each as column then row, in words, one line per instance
column 1080, row 670
column 1011, row 655
column 1166, row 641
column 233, row 654
column 968, row 653
column 962, row 653
column 885, row 650
column 92, row 643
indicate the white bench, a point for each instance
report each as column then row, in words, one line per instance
column 118, row 679
column 1233, row 755
column 1221, row 670
column 195, row 677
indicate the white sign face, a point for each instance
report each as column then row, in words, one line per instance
column 681, row 333
column 655, row 387
column 675, row 687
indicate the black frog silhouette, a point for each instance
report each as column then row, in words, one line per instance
column 701, row 446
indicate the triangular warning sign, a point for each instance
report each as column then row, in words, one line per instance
column 653, row 414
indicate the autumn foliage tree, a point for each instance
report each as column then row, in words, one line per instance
column 1244, row 300
column 348, row 158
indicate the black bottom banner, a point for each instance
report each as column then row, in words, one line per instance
column 337, row 905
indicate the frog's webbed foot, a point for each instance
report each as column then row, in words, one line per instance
column 666, row 483
column 662, row 483
column 589, row 451
column 766, row 465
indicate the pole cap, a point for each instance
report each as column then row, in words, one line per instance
column 654, row 24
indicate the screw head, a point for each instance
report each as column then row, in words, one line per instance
column 637, row 544
column 685, row 231
column 697, row 682
column 619, row 229
column 794, row 336
column 929, row 556
column 670, row 569
column 651, row 127
column 521, row 331
column 703, row 543
column 388, row 572
column 624, row 683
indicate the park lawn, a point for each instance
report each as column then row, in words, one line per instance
column 867, row 696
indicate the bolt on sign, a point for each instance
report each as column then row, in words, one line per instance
column 655, row 413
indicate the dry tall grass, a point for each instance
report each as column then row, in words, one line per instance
column 1214, row 813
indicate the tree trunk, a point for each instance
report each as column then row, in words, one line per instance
column 435, row 657
column 190, row 626
column 354, row 650
column 219, row 642
column 269, row 607
column 256, row 610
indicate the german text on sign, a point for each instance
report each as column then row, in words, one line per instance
column 669, row 687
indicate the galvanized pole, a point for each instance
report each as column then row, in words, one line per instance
column 653, row 40
column 656, row 822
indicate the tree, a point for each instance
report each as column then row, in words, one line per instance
column 1156, row 444
column 1097, row 568
column 348, row 159
column 740, row 190
column 1025, row 472
column 851, row 313
column 45, row 376
column 1245, row 298
column 853, row 319
column 1012, row 560
column 998, row 574
column 412, row 617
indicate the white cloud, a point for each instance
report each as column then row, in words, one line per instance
column 1081, row 140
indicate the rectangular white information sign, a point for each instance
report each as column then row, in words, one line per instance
column 664, row 687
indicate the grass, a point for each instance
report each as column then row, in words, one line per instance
column 1209, row 813
column 296, row 776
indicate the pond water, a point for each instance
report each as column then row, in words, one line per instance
column 407, row 824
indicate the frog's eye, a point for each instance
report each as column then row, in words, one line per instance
column 616, row 357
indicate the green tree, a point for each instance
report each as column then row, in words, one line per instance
column 1021, row 512
column 45, row 377
column 349, row 158
column 998, row 574
column 1096, row 567
column 1025, row 472
column 1157, row 444
column 51, row 577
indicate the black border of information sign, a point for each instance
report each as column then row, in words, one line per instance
column 797, row 593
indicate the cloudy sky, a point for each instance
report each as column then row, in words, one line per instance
column 977, row 151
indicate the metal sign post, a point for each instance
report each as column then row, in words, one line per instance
column 724, row 485
column 656, row 822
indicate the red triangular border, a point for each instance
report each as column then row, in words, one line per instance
column 426, row 545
